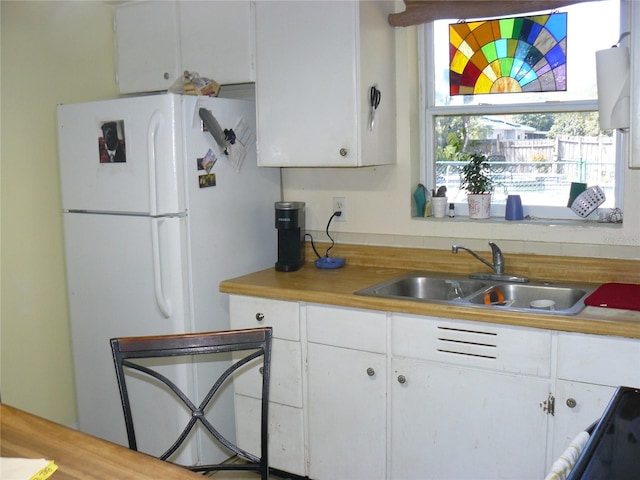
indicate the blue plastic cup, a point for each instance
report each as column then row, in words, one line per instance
column 513, row 211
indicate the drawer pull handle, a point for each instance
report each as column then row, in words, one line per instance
column 259, row 316
column 402, row 379
column 371, row 372
column 571, row 402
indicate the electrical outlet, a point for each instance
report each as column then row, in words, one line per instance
column 340, row 205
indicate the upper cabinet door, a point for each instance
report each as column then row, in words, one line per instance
column 313, row 75
column 217, row 40
column 158, row 40
column 147, row 46
column 306, row 76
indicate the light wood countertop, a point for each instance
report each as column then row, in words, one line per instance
column 78, row 456
column 337, row 287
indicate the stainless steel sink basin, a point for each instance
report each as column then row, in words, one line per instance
column 425, row 286
column 556, row 299
column 542, row 298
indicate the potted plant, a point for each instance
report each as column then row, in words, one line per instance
column 476, row 181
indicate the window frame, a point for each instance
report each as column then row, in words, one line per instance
column 429, row 110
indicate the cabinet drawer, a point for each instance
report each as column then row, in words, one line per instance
column 251, row 312
column 596, row 359
column 347, row 327
column 520, row 350
column 286, row 375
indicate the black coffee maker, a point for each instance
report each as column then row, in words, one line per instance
column 290, row 225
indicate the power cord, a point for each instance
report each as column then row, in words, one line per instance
column 335, row 214
column 326, row 261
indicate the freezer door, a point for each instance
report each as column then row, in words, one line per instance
column 122, row 155
column 122, row 282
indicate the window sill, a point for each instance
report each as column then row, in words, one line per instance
column 565, row 222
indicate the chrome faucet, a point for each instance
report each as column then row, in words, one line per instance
column 497, row 266
column 498, row 259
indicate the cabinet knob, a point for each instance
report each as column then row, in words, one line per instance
column 166, row 75
column 402, row 379
column 259, row 316
column 571, row 402
column 344, row 152
column 371, row 372
column 261, row 370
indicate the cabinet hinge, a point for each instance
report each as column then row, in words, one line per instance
column 549, row 405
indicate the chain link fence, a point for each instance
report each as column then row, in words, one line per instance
column 539, row 170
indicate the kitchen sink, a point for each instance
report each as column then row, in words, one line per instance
column 549, row 298
column 544, row 298
column 420, row 286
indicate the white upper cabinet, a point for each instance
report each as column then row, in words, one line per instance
column 156, row 41
column 316, row 62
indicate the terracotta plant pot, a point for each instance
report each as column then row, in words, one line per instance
column 479, row 205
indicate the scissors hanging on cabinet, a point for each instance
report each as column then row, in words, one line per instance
column 374, row 101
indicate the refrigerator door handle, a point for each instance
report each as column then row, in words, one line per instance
column 164, row 304
column 152, row 130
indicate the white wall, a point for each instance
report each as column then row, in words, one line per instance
column 379, row 198
column 52, row 52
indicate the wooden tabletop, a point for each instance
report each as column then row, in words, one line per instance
column 78, row 455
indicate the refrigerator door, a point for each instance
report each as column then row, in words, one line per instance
column 122, row 282
column 122, row 155
column 231, row 227
column 231, row 231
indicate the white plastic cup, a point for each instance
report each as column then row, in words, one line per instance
column 543, row 304
column 439, row 205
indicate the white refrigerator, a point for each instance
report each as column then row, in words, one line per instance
column 156, row 213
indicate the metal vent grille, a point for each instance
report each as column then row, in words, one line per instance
column 471, row 343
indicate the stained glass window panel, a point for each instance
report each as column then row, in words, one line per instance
column 508, row 55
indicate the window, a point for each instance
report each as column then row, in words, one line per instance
column 538, row 143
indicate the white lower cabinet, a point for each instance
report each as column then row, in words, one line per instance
column 577, row 406
column 362, row 394
column 347, row 389
column 286, row 419
column 286, row 434
column 589, row 369
column 346, row 408
column 461, row 423
column 468, row 405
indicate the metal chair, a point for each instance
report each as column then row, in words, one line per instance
column 253, row 343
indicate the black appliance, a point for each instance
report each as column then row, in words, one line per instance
column 290, row 225
column 613, row 451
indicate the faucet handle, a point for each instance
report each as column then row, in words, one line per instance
column 498, row 258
